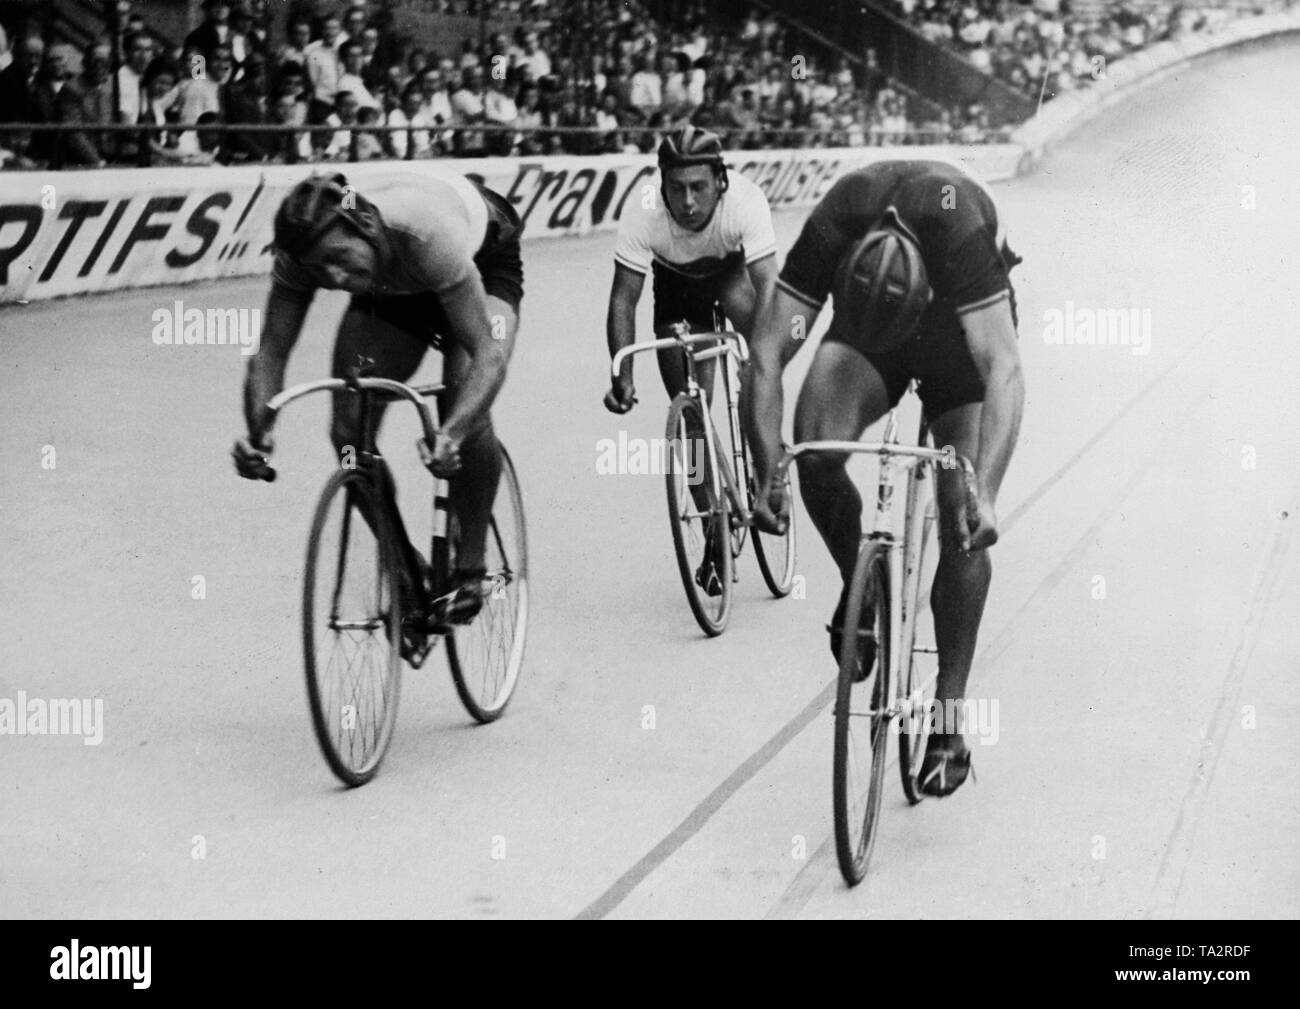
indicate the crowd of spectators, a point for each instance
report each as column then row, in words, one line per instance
column 574, row 77
column 1046, row 48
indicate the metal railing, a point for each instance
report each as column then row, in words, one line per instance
column 462, row 140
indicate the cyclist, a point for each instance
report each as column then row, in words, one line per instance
column 709, row 242
column 918, row 266
column 429, row 262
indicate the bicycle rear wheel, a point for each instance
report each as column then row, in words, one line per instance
column 487, row 655
column 352, row 627
column 701, row 526
column 861, row 735
column 776, row 557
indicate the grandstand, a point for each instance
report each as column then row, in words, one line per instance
column 128, row 83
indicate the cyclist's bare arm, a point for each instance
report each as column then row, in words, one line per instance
column 487, row 332
column 762, row 275
column 620, row 322
column 265, row 377
column 783, row 321
column 991, row 336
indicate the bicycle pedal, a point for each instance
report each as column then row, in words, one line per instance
column 861, row 632
column 416, row 649
column 455, row 609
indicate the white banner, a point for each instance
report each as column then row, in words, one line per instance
column 78, row 232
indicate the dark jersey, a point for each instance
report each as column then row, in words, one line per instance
column 951, row 214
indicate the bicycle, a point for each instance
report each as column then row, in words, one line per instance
column 897, row 695
column 723, row 516
column 354, row 703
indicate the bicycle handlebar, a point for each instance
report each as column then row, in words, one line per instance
column 394, row 388
column 260, row 467
column 945, row 457
column 726, row 342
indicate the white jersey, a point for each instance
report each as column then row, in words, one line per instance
column 741, row 226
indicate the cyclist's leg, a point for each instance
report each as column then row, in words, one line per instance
column 676, row 299
column 672, row 369
column 961, row 582
column 377, row 333
column 843, row 394
column 474, row 489
column 953, row 394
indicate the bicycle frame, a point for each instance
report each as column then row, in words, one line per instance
column 905, row 572
column 729, row 346
column 368, row 389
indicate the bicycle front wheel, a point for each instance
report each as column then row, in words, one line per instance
column 351, row 627
column 487, row 655
column 861, row 700
column 776, row 553
column 700, row 517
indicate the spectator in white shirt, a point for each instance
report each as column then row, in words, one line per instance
column 676, row 101
column 343, row 117
column 323, row 66
column 823, row 93
column 647, row 88
column 467, row 105
column 500, row 110
column 436, row 100
column 350, row 80
column 200, row 90
column 414, row 140
column 530, row 121
column 534, row 56
column 131, row 100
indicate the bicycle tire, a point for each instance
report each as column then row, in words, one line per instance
column 329, row 709
column 870, row 587
column 498, row 634
column 710, row 612
column 914, row 729
column 779, row 576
